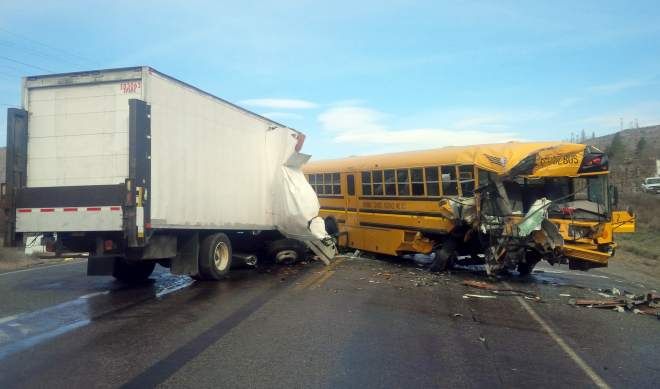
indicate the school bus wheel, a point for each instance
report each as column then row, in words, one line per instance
column 445, row 256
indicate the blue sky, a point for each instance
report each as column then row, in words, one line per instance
column 363, row 77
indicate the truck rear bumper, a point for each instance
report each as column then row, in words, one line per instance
column 69, row 219
column 70, row 208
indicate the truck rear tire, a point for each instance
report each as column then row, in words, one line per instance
column 286, row 251
column 132, row 271
column 214, row 257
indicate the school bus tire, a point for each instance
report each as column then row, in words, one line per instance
column 445, row 256
column 331, row 226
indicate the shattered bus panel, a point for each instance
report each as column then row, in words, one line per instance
column 507, row 205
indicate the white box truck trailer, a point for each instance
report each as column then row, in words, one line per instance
column 136, row 167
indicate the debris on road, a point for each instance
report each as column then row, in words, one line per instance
column 480, row 296
column 648, row 304
column 479, row 284
column 494, row 289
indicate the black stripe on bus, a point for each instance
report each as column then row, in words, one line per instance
column 385, row 211
column 329, row 196
column 396, row 198
column 399, row 212
column 400, row 227
column 337, row 209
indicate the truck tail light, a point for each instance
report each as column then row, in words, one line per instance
column 300, row 141
column 108, row 245
column 593, row 162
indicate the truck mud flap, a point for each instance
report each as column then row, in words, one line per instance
column 102, row 265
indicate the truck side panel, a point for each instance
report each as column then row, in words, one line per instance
column 208, row 160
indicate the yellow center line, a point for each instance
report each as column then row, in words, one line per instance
column 320, row 276
column 321, row 280
column 595, row 378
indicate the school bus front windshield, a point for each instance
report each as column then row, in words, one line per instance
column 575, row 198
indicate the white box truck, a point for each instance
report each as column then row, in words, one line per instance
column 136, row 167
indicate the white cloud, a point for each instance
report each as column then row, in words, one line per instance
column 280, row 103
column 346, row 119
column 616, row 87
column 365, row 126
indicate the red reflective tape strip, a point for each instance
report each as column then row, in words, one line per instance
column 115, row 208
column 24, row 210
column 47, row 209
column 94, row 208
column 70, row 209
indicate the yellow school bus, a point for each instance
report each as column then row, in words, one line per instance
column 510, row 204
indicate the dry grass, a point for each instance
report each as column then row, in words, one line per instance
column 646, row 241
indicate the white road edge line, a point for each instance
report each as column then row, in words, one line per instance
column 39, row 268
column 564, row 346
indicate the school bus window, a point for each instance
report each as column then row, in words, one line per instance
column 449, row 182
column 336, row 184
column 485, row 177
column 432, row 182
column 327, row 183
column 402, row 182
column 319, row 184
column 417, row 180
column 377, row 176
column 466, row 175
column 390, row 183
column 366, row 183
column 312, row 179
column 350, row 184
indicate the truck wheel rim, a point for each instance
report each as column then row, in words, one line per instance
column 286, row 255
column 221, row 256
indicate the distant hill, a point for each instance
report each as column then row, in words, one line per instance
column 629, row 169
column 630, row 137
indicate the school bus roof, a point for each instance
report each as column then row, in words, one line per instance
column 498, row 158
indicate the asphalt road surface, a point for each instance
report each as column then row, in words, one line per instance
column 358, row 323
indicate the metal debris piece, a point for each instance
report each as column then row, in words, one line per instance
column 480, row 296
column 479, row 284
column 501, row 292
column 597, row 303
column 647, row 304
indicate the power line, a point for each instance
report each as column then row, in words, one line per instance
column 31, row 51
column 47, row 45
column 26, row 64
